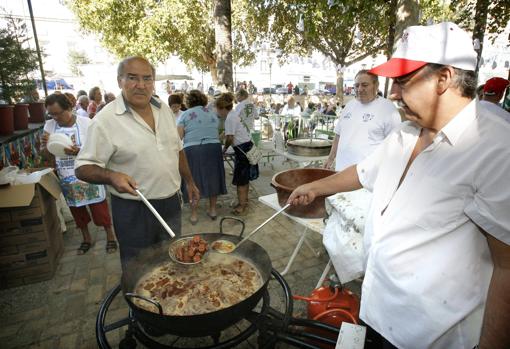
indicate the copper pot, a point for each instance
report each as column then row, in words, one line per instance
column 286, row 181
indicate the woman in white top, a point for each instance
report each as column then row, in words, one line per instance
column 237, row 132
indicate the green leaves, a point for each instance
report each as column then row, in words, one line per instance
column 17, row 61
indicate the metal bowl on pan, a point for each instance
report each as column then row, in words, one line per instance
column 309, row 147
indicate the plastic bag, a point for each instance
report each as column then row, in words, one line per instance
column 345, row 248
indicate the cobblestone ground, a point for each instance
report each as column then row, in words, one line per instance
column 61, row 313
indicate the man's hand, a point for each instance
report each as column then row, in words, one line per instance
column 302, row 195
column 123, row 183
column 74, row 150
column 193, row 193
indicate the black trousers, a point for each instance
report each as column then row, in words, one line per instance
column 136, row 227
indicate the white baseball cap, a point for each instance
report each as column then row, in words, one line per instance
column 444, row 43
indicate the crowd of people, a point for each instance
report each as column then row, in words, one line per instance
column 439, row 214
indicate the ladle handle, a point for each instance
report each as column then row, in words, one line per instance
column 155, row 213
column 260, row 226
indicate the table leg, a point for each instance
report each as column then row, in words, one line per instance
column 295, row 252
column 317, row 253
column 324, row 274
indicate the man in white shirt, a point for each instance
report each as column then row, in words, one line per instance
column 364, row 123
column 437, row 238
column 132, row 143
column 493, row 92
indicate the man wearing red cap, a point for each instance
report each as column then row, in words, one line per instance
column 493, row 91
column 437, row 238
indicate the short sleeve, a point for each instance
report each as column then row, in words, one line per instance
column 490, row 206
column 338, row 126
column 230, row 126
column 97, row 149
column 181, row 121
column 368, row 168
column 49, row 126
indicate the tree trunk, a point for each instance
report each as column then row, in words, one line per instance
column 390, row 42
column 480, row 25
column 223, row 36
column 340, row 86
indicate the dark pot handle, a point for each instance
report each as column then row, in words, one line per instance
column 274, row 186
column 234, row 219
column 133, row 295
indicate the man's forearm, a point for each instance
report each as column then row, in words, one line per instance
column 496, row 330
column 184, row 167
column 346, row 180
column 94, row 174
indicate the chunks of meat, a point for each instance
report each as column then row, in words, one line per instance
column 192, row 251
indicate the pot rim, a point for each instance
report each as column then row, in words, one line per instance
column 284, row 187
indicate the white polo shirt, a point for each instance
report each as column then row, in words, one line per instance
column 362, row 127
column 120, row 140
column 428, row 265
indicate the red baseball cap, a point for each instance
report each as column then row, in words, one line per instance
column 495, row 86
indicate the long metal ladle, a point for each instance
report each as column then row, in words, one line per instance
column 156, row 214
column 232, row 246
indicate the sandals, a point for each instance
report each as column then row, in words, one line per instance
column 111, row 246
column 240, row 210
column 193, row 221
column 84, row 248
column 213, row 217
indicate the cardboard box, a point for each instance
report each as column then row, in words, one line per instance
column 30, row 235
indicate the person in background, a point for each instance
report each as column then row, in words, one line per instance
column 79, row 195
column 493, row 91
column 198, row 128
column 175, row 102
column 83, row 103
column 439, row 215
column 238, row 126
column 291, row 108
column 290, row 87
column 132, row 145
column 95, row 99
column 108, row 97
column 364, row 123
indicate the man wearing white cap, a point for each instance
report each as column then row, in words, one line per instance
column 438, row 233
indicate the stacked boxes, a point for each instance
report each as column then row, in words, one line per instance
column 30, row 236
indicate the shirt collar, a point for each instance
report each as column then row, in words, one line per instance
column 122, row 105
column 453, row 130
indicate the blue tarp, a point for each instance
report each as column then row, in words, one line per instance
column 55, row 84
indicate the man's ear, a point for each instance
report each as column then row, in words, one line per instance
column 445, row 77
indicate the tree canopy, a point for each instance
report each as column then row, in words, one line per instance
column 158, row 29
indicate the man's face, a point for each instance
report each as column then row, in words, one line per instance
column 137, row 83
column 366, row 88
column 415, row 95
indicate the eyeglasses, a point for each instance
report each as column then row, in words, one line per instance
column 401, row 81
column 135, row 79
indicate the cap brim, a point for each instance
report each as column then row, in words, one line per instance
column 396, row 67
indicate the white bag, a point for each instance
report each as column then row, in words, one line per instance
column 253, row 155
column 345, row 248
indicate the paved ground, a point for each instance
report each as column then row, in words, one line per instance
column 61, row 313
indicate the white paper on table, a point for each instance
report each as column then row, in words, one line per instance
column 351, row 336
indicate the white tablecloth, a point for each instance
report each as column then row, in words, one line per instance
column 343, row 235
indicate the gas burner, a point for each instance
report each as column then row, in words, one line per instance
column 271, row 326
